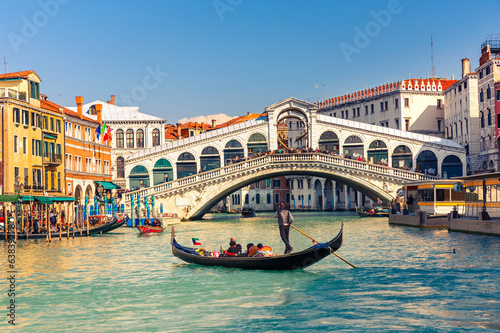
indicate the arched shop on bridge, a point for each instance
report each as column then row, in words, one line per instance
column 427, row 163
column 186, row 165
column 139, row 177
column 353, row 146
column 257, row 143
column 209, row 159
column 402, row 157
column 377, row 152
column 233, row 151
column 329, row 141
column 162, row 171
column 451, row 167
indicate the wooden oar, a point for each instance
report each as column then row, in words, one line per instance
column 316, row 242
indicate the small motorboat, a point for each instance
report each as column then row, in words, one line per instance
column 373, row 212
column 247, row 212
column 149, row 229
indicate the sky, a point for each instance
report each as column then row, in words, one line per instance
column 187, row 58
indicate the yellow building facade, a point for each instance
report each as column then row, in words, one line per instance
column 32, row 149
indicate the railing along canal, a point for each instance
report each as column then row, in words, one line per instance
column 278, row 158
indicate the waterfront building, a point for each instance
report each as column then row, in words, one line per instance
column 32, row 138
column 132, row 131
column 461, row 115
column 414, row 105
column 489, row 115
column 88, row 156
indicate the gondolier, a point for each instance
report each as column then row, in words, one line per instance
column 285, row 218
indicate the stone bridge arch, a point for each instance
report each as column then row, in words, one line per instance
column 372, row 190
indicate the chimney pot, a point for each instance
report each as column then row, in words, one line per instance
column 98, row 109
column 79, row 106
column 179, row 130
column 214, row 122
column 465, row 67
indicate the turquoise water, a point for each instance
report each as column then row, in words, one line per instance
column 407, row 280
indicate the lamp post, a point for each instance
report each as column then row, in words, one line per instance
column 18, row 186
column 100, row 190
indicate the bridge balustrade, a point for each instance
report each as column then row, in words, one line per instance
column 273, row 158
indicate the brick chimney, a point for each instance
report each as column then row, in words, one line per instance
column 98, row 109
column 196, row 125
column 79, row 106
column 214, row 122
column 179, row 130
column 112, row 100
column 465, row 67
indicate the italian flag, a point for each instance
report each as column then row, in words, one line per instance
column 196, row 241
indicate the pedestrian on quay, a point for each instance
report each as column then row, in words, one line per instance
column 285, row 219
column 409, row 201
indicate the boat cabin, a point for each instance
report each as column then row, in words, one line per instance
column 435, row 197
column 482, row 194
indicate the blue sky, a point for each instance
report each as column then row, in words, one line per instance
column 184, row 58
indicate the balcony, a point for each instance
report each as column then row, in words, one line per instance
column 14, row 94
column 52, row 159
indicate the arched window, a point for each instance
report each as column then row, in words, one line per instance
column 329, row 142
column 186, row 165
column 162, row 172
column 247, row 199
column 257, row 143
column 130, row 138
column 119, row 138
column 140, row 138
column 257, row 198
column 120, row 167
column 269, row 198
column 139, row 177
column 156, row 137
column 209, row 159
column 233, row 152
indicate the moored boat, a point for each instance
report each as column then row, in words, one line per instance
column 289, row 261
column 372, row 213
column 110, row 224
column 247, row 212
column 149, row 229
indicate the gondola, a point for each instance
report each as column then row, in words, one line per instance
column 247, row 212
column 149, row 229
column 290, row 261
column 375, row 213
column 100, row 229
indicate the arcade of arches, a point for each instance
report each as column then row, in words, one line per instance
column 211, row 158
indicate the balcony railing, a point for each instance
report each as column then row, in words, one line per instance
column 51, row 158
column 11, row 93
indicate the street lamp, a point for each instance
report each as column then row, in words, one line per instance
column 100, row 190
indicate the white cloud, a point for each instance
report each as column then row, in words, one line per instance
column 220, row 118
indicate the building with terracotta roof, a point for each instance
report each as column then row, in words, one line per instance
column 88, row 155
column 413, row 105
column 32, row 139
column 489, row 115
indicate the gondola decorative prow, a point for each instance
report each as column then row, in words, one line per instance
column 172, row 235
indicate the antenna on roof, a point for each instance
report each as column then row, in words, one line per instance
column 5, row 64
column 432, row 57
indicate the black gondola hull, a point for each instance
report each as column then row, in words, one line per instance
column 106, row 227
column 291, row 261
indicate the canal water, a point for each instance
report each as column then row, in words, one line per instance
column 407, row 280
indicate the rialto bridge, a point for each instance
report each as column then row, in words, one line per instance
column 191, row 175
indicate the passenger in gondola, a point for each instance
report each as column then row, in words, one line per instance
column 263, row 251
column 232, row 250
column 146, row 221
column 156, row 223
column 238, row 246
column 251, row 250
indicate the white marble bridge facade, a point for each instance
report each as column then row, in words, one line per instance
column 191, row 194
